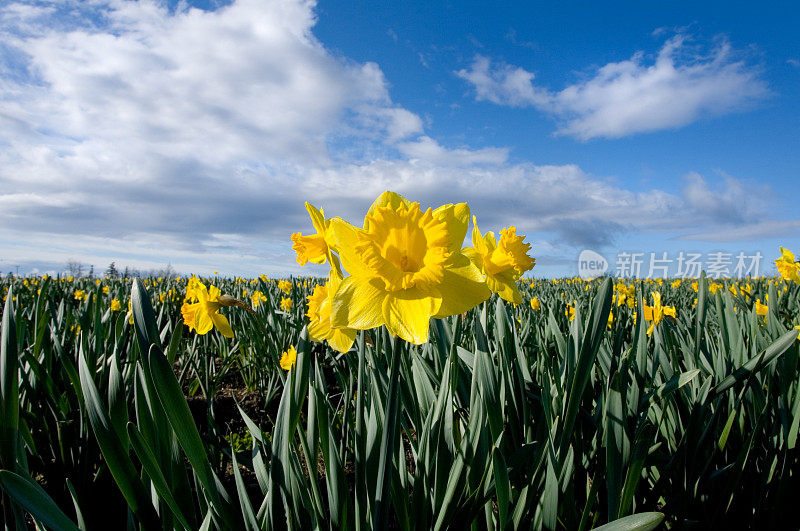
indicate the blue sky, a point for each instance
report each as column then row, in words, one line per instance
column 192, row 133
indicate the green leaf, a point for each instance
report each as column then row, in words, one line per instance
column 595, row 328
column 9, row 386
column 634, row 522
column 35, row 500
column 116, row 456
column 150, row 466
column 180, row 418
column 502, row 486
column 758, row 362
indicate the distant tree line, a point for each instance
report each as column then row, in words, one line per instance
column 76, row 268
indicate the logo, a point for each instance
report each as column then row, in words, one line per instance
column 591, row 264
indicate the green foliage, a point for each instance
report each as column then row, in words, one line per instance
column 508, row 418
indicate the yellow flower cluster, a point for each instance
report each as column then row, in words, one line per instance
column 404, row 267
column 624, row 294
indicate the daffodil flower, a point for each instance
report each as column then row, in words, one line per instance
column 535, row 304
column 761, row 309
column 288, row 358
column 203, row 315
column 787, row 266
column 285, row 286
column 286, row 304
column 258, row 298
column 405, row 267
column 313, row 248
column 625, row 294
column 502, row 262
column 115, row 305
column 319, row 315
column 656, row 312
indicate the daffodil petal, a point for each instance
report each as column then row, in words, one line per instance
column 342, row 339
column 345, row 237
column 221, row 323
column 189, row 312
column 505, row 286
column 358, row 303
column 317, row 218
column 319, row 329
column 407, row 314
column 456, row 217
column 474, row 256
column 477, row 237
column 387, row 198
column 202, row 322
column 462, row 288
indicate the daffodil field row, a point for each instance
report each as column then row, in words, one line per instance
column 421, row 385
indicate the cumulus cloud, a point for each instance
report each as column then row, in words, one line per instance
column 134, row 133
column 678, row 86
column 504, row 84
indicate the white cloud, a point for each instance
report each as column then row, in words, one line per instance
column 757, row 231
column 427, row 149
column 504, row 84
column 677, row 87
column 133, row 134
column 246, row 81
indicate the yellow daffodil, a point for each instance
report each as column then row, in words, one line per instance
column 787, row 266
column 624, row 294
column 694, row 286
column 285, row 286
column 714, row 287
column 656, row 312
column 535, row 304
column 570, row 312
column 610, row 318
column 258, row 298
column 286, row 304
column 502, row 262
column 191, row 288
column 676, row 283
column 79, row 295
column 761, row 309
column 115, row 305
column 313, row 248
column 288, row 358
column 319, row 315
column 405, row 267
column 203, row 315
